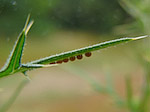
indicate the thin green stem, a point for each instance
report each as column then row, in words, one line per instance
column 14, row 96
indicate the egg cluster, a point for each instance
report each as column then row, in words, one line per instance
column 73, row 58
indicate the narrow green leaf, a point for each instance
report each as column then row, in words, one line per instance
column 14, row 60
column 14, row 96
column 129, row 91
column 36, row 65
column 15, row 57
column 77, row 52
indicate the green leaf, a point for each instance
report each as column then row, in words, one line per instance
column 14, row 96
column 14, row 61
column 77, row 52
column 129, row 94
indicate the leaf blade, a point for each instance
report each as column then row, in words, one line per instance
column 76, row 52
column 14, row 60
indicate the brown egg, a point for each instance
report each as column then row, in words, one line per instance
column 65, row 60
column 88, row 54
column 79, row 57
column 59, row 62
column 53, row 63
column 72, row 58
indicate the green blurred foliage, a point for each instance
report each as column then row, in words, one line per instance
column 88, row 15
column 14, row 13
column 95, row 15
column 140, row 12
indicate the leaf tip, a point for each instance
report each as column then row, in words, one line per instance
column 28, row 25
column 27, row 21
column 140, row 37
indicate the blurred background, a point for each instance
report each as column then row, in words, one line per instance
column 114, row 79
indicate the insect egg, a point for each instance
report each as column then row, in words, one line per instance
column 88, row 54
column 79, row 57
column 72, row 58
column 65, row 60
column 59, row 62
column 53, row 63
